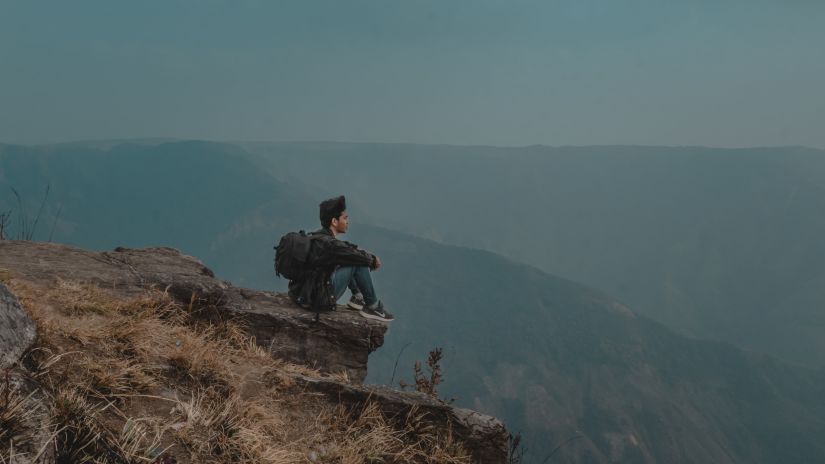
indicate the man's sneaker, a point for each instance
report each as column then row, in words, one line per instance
column 376, row 311
column 357, row 302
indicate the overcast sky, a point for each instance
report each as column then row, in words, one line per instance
column 506, row 72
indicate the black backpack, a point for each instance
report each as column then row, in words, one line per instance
column 292, row 255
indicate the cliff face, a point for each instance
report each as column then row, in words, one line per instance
column 336, row 346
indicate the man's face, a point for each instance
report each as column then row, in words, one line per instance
column 341, row 223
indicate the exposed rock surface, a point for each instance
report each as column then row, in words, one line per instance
column 339, row 342
column 17, row 330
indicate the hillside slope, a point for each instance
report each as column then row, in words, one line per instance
column 552, row 357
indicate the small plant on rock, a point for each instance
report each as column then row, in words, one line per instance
column 427, row 383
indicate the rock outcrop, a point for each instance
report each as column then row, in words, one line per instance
column 17, row 330
column 340, row 342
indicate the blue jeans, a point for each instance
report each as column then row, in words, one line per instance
column 353, row 287
column 345, row 276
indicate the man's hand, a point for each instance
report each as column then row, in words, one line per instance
column 376, row 263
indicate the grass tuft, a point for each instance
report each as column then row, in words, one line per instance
column 79, row 434
column 16, row 415
column 110, row 376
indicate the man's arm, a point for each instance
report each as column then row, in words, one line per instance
column 346, row 254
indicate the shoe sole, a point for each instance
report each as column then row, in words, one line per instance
column 375, row 317
column 355, row 306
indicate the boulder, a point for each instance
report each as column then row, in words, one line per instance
column 17, row 333
column 17, row 330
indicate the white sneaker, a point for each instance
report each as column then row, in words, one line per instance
column 377, row 312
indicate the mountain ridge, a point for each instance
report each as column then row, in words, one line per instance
column 686, row 236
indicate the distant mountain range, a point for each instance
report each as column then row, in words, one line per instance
column 555, row 359
column 715, row 243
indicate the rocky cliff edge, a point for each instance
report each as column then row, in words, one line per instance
column 194, row 366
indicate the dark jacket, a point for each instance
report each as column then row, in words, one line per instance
column 315, row 289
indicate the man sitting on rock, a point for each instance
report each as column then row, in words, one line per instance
column 339, row 265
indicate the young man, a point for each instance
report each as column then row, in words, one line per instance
column 339, row 265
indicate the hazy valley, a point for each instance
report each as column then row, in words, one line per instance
column 552, row 357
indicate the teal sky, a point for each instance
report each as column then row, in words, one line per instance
column 557, row 72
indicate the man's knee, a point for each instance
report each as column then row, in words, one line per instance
column 363, row 271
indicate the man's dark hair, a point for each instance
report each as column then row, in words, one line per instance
column 331, row 209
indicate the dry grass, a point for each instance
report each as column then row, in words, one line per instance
column 111, row 376
column 80, row 436
column 231, row 429
column 140, row 441
column 16, row 416
column 143, row 379
column 365, row 434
